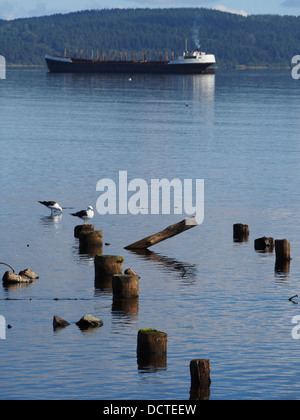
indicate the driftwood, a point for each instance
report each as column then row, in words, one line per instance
column 167, row 233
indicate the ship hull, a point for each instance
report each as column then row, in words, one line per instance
column 130, row 67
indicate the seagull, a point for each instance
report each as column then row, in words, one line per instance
column 85, row 215
column 52, row 205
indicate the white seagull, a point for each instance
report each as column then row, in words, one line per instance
column 85, row 215
column 52, row 205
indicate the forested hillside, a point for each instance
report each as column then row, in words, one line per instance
column 264, row 40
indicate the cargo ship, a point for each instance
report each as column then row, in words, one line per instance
column 191, row 62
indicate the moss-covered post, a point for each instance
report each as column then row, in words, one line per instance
column 108, row 265
column 82, row 228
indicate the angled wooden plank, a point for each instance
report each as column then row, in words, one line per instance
column 167, row 233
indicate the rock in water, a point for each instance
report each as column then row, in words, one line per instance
column 89, row 321
column 59, row 322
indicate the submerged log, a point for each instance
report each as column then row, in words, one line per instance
column 167, row 233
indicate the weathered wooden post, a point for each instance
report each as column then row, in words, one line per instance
column 91, row 242
column 91, row 237
column 82, row 228
column 152, row 348
column 200, row 379
column 125, row 286
column 108, row 265
column 151, row 342
column 240, row 232
column 264, row 244
column 283, row 250
column 283, row 256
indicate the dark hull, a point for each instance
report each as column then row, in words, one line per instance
column 129, row 67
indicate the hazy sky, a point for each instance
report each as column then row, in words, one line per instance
column 11, row 9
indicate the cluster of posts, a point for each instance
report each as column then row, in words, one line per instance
column 282, row 246
column 120, row 55
column 151, row 344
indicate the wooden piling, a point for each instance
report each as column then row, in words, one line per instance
column 264, row 244
column 283, row 250
column 125, row 286
column 91, row 238
column 151, row 342
column 200, row 373
column 169, row 232
column 108, row 265
column 240, row 232
column 91, row 242
column 82, row 228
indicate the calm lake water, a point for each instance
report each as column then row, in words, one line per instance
column 61, row 134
